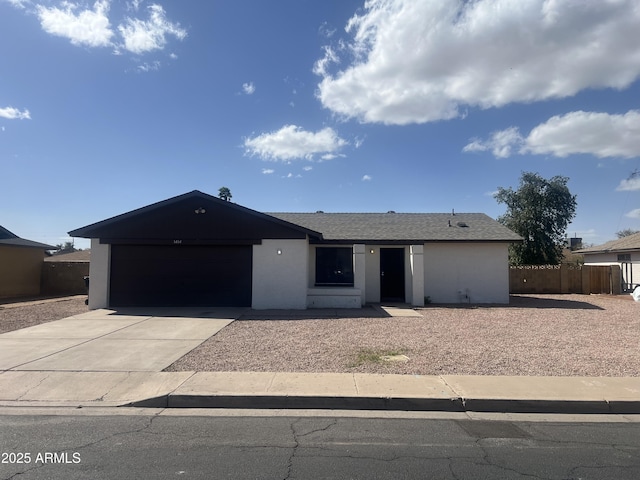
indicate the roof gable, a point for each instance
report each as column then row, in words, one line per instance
column 194, row 217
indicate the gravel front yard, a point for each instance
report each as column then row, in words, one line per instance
column 555, row 335
column 14, row 316
column 590, row 335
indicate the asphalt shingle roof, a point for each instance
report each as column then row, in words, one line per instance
column 8, row 238
column 630, row 242
column 402, row 227
column 81, row 256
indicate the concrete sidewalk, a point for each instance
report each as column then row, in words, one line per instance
column 108, row 358
column 449, row 393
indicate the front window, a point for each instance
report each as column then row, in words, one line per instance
column 334, row 266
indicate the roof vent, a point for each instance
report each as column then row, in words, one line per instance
column 462, row 224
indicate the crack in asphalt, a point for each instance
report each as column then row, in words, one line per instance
column 77, row 448
column 296, row 436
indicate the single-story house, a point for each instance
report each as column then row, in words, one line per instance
column 624, row 252
column 198, row 250
column 20, row 265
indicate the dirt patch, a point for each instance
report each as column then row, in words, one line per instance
column 547, row 335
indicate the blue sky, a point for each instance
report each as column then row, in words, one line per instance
column 305, row 105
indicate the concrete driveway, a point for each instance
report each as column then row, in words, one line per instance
column 112, row 341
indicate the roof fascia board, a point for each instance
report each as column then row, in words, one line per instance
column 82, row 231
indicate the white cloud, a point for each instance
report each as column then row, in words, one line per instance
column 633, row 213
column 248, row 88
column 629, row 184
column 593, row 133
column 141, row 36
column 500, row 143
column 321, row 66
column 307, row 168
column 13, row 113
column 331, row 156
column 19, row 3
column 415, row 61
column 292, row 142
column 366, row 178
column 149, row 66
column 268, row 171
column 86, row 27
column 134, row 5
column 599, row 134
column 326, row 31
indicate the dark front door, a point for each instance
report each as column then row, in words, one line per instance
column 184, row 276
column 392, row 275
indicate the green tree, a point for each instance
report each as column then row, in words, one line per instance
column 626, row 232
column 66, row 247
column 225, row 194
column 539, row 211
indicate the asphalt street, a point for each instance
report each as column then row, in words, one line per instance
column 309, row 447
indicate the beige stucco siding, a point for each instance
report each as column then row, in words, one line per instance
column 466, row 272
column 20, row 271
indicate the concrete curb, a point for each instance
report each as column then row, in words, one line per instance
column 397, row 403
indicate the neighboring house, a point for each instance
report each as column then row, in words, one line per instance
column 20, row 265
column 79, row 256
column 624, row 252
column 197, row 250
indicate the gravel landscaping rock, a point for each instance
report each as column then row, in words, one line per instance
column 546, row 335
column 15, row 315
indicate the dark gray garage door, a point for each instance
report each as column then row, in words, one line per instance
column 178, row 275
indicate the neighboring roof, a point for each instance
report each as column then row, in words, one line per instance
column 11, row 239
column 81, row 256
column 624, row 244
column 403, row 227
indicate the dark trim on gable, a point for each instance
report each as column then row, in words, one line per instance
column 177, row 241
column 153, row 223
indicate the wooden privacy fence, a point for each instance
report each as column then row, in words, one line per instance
column 565, row 278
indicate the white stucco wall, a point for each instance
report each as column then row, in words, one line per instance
column 280, row 280
column 372, row 273
column 466, row 272
column 99, row 274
